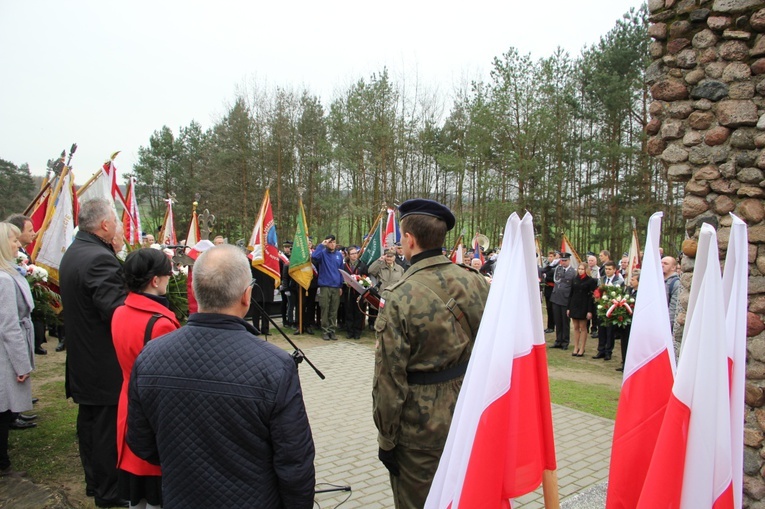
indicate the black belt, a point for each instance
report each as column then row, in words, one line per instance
column 435, row 377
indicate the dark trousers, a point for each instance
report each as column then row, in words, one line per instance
column 309, row 308
column 562, row 326
column 97, row 435
column 6, row 418
column 354, row 317
column 39, row 330
column 550, row 318
column 625, row 340
column 594, row 323
column 606, row 339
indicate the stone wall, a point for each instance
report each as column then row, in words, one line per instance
column 707, row 126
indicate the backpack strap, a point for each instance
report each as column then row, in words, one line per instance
column 452, row 306
column 150, row 326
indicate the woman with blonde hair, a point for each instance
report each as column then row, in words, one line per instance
column 17, row 337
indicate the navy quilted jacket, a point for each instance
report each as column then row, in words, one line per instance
column 223, row 413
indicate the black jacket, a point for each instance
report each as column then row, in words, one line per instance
column 581, row 301
column 92, row 287
column 223, row 413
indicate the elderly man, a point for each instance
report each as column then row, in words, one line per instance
column 91, row 289
column 425, row 333
column 222, row 409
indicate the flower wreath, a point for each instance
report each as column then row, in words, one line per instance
column 614, row 306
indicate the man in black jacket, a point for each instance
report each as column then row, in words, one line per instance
column 91, row 289
column 222, row 409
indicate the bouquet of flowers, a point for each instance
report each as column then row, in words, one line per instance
column 47, row 302
column 363, row 280
column 615, row 307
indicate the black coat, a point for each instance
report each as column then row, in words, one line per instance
column 92, row 287
column 581, row 301
column 223, row 413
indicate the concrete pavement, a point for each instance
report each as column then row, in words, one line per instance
column 340, row 412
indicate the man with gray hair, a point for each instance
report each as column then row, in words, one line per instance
column 221, row 410
column 92, row 287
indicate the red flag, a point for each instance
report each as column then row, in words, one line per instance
column 392, row 233
column 263, row 242
column 457, row 255
column 691, row 464
column 38, row 210
column 501, row 437
column 648, row 376
column 735, row 282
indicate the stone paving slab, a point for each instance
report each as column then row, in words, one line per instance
column 340, row 412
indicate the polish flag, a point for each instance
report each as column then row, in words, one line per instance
column 501, row 436
column 392, row 231
column 735, row 289
column 691, row 465
column 649, row 372
column 457, row 255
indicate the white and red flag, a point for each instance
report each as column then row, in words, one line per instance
column 457, row 256
column 649, row 372
column 131, row 219
column 634, row 256
column 392, row 232
column 691, row 463
column 167, row 232
column 735, row 289
column 194, row 234
column 501, row 436
column 566, row 247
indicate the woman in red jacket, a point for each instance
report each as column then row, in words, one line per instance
column 145, row 315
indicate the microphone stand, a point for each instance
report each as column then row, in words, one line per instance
column 298, row 355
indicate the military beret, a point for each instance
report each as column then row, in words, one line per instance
column 428, row 208
column 565, row 256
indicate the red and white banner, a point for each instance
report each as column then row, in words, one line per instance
column 735, row 289
column 131, row 219
column 566, row 247
column 57, row 231
column 264, row 243
column 691, row 464
column 457, row 256
column 167, row 232
column 194, row 234
column 634, row 257
column 501, row 437
column 392, row 232
column 649, row 372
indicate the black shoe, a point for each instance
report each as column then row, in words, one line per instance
column 548, row 331
column 35, row 400
column 10, row 472
column 309, row 330
column 599, row 356
column 60, row 347
column 115, row 502
column 349, row 336
column 607, row 358
column 619, row 369
column 19, row 424
column 30, row 417
column 594, row 335
column 564, row 347
column 40, row 350
column 554, row 345
column 90, row 492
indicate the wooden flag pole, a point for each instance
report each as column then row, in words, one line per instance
column 31, row 206
column 550, row 489
column 369, row 235
column 456, row 244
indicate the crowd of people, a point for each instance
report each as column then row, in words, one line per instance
column 206, row 415
column 571, row 297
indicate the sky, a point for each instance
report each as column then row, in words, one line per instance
column 107, row 74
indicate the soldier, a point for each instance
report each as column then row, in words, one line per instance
column 562, row 278
column 426, row 328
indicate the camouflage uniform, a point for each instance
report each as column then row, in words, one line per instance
column 416, row 332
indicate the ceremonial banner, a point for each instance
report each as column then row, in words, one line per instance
column 57, row 231
column 167, row 232
column 194, row 235
column 131, row 220
column 392, row 231
column 301, row 270
column 103, row 184
column 457, row 254
column 634, row 257
column 501, row 437
column 263, row 242
column 735, row 288
column 649, row 372
column 374, row 246
column 477, row 253
column 36, row 211
column 566, row 247
column 691, row 464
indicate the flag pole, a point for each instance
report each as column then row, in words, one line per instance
column 37, row 198
column 371, row 231
column 550, row 489
column 456, row 244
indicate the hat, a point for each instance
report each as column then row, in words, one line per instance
column 329, row 237
column 397, row 244
column 565, row 256
column 287, row 243
column 427, row 208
